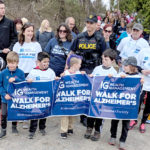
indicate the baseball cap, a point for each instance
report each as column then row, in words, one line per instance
column 91, row 18
column 137, row 26
column 130, row 61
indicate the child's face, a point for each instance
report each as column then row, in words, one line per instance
column 126, row 69
column 12, row 66
column 106, row 61
column 44, row 64
column 77, row 66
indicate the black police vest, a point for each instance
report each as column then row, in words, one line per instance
column 89, row 50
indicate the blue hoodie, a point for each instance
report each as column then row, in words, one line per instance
column 123, row 35
column 4, row 80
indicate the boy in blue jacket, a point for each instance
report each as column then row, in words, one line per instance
column 10, row 74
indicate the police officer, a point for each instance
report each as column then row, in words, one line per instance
column 90, row 46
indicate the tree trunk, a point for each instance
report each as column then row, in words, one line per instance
column 62, row 12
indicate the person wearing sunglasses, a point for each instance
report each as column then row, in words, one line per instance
column 110, row 40
column 58, row 48
column 109, row 36
column 107, row 31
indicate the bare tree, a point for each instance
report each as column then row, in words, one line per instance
column 62, row 11
column 55, row 11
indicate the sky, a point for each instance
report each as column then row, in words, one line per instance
column 107, row 3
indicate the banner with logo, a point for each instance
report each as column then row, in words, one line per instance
column 100, row 97
column 115, row 98
column 72, row 95
column 30, row 100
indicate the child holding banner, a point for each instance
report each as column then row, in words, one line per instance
column 41, row 73
column 74, row 64
column 10, row 74
column 144, row 63
column 106, row 69
column 130, row 70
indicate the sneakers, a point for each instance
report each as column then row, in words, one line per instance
column 31, row 135
column 70, row 131
column 96, row 136
column 42, row 131
column 88, row 133
column 122, row 146
column 148, row 121
column 3, row 133
column 112, row 141
column 14, row 130
column 142, row 128
column 63, row 135
column 132, row 124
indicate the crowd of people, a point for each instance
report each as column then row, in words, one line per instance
column 112, row 46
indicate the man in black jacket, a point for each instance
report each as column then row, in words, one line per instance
column 8, row 34
column 90, row 45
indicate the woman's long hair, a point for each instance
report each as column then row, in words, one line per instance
column 22, row 37
column 68, row 35
column 42, row 27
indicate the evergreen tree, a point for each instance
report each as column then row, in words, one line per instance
column 141, row 7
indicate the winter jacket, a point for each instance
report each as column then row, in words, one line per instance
column 4, row 80
column 8, row 35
